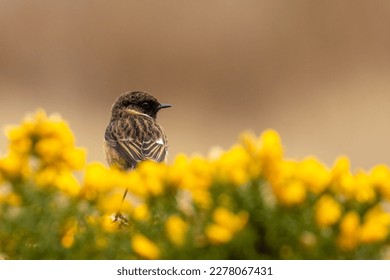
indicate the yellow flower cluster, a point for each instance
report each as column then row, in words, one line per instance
column 199, row 201
column 328, row 211
column 144, row 247
column 374, row 228
column 176, row 229
column 337, row 192
column 43, row 148
column 225, row 225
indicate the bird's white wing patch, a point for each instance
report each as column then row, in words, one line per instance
column 154, row 149
column 160, row 141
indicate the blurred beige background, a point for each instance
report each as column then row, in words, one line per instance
column 316, row 71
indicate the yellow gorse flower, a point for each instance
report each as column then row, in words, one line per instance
column 218, row 234
column 234, row 222
column 233, row 166
column 13, row 166
column 363, row 190
column 194, row 175
column 349, row 235
column 141, row 212
column 380, row 180
column 327, row 211
column 176, row 229
column 226, row 225
column 358, row 187
column 144, row 247
column 288, row 189
column 99, row 179
column 270, row 152
column 313, row 174
column 375, row 226
column 152, row 176
column 292, row 192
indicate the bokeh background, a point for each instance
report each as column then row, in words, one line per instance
column 316, row 71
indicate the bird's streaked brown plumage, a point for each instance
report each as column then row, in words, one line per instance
column 133, row 134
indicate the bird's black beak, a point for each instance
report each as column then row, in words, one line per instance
column 162, row 106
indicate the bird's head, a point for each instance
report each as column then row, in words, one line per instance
column 137, row 101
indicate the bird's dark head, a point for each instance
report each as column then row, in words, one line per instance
column 137, row 101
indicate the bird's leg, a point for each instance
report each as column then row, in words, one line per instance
column 118, row 216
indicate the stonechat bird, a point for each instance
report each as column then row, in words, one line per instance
column 133, row 134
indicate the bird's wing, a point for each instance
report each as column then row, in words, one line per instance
column 129, row 150
column 133, row 151
column 155, row 149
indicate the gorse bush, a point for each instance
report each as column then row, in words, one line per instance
column 248, row 202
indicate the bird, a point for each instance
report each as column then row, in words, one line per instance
column 133, row 134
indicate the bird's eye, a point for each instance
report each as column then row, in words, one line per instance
column 146, row 105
